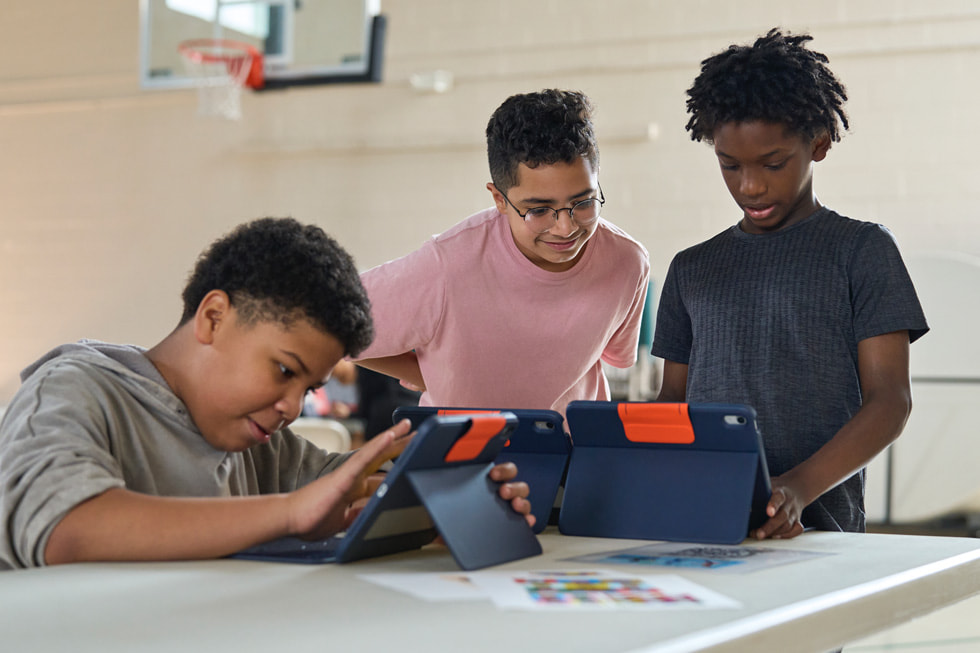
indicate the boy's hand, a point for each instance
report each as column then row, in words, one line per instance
column 327, row 505
column 784, row 509
column 515, row 493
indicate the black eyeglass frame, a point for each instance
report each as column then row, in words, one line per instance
column 571, row 210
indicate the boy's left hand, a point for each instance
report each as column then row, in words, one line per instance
column 784, row 509
column 515, row 493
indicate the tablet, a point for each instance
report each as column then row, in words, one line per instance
column 439, row 485
column 539, row 446
column 680, row 472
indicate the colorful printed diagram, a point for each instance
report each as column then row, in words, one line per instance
column 592, row 591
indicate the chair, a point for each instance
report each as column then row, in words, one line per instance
column 325, row 433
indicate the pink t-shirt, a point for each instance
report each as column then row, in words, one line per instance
column 493, row 330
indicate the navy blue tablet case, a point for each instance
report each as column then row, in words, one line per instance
column 678, row 472
column 539, row 447
column 438, row 485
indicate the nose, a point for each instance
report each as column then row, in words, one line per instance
column 751, row 184
column 290, row 406
column 564, row 225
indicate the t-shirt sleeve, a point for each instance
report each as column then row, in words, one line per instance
column 883, row 298
column 673, row 337
column 622, row 347
column 407, row 298
column 55, row 455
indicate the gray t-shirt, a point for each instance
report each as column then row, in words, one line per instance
column 92, row 416
column 774, row 321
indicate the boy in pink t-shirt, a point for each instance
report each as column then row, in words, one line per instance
column 516, row 306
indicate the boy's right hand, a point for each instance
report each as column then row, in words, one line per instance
column 324, row 507
column 784, row 510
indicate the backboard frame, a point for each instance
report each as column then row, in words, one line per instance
column 362, row 67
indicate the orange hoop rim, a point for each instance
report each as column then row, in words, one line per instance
column 194, row 50
column 191, row 49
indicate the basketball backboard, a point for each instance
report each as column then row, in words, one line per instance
column 302, row 41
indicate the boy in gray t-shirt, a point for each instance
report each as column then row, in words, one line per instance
column 797, row 311
column 115, row 452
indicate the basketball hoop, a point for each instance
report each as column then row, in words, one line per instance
column 220, row 68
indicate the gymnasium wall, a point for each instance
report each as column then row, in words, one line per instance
column 108, row 192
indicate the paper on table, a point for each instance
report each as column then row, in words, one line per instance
column 596, row 590
column 436, row 586
column 730, row 558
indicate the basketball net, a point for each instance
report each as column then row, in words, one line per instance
column 220, row 68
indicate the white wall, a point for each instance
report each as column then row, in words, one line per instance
column 108, row 192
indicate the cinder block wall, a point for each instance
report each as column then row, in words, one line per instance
column 108, row 192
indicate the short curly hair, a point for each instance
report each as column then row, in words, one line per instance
column 542, row 128
column 276, row 269
column 776, row 80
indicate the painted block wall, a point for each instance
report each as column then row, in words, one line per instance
column 108, row 191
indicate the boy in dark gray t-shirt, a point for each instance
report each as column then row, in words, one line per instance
column 797, row 311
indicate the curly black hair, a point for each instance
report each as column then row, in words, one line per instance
column 776, row 80
column 546, row 127
column 276, row 269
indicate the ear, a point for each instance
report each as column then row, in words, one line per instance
column 212, row 314
column 820, row 146
column 498, row 198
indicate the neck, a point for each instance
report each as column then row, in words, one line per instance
column 166, row 356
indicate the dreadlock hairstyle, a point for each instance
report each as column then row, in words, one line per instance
column 776, row 80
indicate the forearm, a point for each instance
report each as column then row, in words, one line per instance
column 124, row 525
column 883, row 364
column 877, row 424
column 403, row 366
column 674, row 388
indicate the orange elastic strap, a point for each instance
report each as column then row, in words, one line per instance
column 475, row 439
column 662, row 423
column 463, row 411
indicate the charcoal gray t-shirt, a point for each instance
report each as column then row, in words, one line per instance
column 774, row 321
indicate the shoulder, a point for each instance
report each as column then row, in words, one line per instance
column 92, row 359
column 73, row 364
column 456, row 244
column 481, row 236
column 835, row 224
column 695, row 253
column 476, row 226
column 73, row 390
column 627, row 257
column 854, row 235
column 90, row 373
column 620, row 240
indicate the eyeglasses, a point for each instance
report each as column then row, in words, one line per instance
column 542, row 218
